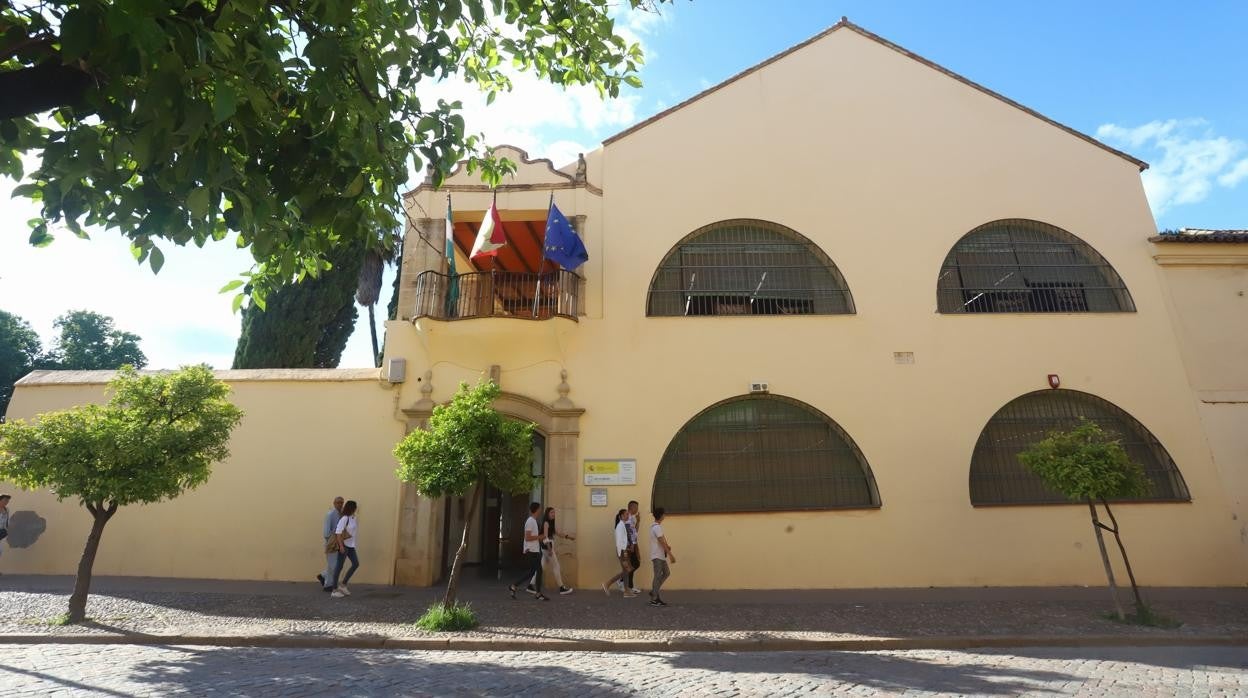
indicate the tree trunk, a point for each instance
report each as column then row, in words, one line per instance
column 82, row 583
column 1135, row 588
column 1109, row 570
column 452, row 584
column 372, row 328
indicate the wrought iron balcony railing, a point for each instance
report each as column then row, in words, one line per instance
column 498, row 294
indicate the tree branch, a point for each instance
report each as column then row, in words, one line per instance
column 41, row 88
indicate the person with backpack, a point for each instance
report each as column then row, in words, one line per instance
column 345, row 535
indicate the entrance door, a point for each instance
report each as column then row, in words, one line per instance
column 515, row 509
column 497, row 546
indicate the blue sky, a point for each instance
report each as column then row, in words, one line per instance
column 1167, row 83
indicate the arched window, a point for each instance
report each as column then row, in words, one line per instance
column 1022, row 266
column 747, row 267
column 997, row 476
column 762, row 453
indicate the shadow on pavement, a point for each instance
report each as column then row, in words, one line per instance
column 257, row 671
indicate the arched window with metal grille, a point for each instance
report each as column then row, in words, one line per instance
column 747, row 267
column 1024, row 266
column 997, row 476
column 762, row 453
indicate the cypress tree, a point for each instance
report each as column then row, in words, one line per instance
column 304, row 325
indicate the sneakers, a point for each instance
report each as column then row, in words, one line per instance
column 636, row 591
column 629, row 595
column 606, row 589
column 620, row 586
column 657, row 602
column 542, row 597
column 321, row 578
column 565, row 590
column 343, row 588
column 337, row 594
column 530, row 589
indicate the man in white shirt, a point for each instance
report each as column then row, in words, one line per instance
column 660, row 553
column 327, row 530
column 532, row 553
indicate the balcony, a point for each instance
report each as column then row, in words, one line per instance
column 522, row 295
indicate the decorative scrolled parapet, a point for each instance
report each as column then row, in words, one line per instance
column 563, row 403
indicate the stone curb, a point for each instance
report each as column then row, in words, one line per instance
column 676, row 644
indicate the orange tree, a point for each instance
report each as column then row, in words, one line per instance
column 157, row 437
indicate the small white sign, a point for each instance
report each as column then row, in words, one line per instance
column 598, row 497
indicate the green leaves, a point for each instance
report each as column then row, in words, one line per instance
column 1085, row 463
column 156, row 438
column 467, row 442
column 191, row 121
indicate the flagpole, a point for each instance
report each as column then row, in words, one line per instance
column 541, row 266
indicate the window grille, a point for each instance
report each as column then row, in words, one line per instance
column 747, row 267
column 998, row 477
column 762, row 453
column 1022, row 266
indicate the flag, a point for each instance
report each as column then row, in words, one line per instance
column 452, row 288
column 490, row 237
column 562, row 244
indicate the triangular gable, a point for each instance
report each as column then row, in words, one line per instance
column 846, row 24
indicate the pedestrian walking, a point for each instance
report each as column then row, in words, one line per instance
column 4, row 515
column 328, row 529
column 621, row 553
column 660, row 555
column 345, row 533
column 550, row 557
column 532, row 554
column 634, row 554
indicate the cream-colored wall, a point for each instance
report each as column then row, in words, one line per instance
column 260, row 514
column 885, row 164
column 1207, row 290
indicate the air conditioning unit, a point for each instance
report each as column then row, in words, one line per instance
column 758, row 387
column 396, row 372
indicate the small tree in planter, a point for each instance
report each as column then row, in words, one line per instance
column 1086, row 465
column 468, row 445
column 157, row 437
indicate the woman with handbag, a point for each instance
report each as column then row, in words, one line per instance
column 345, row 537
column 621, row 552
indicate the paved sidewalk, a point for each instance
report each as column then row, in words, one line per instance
column 123, row 608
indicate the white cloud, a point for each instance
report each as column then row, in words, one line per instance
column 1192, row 160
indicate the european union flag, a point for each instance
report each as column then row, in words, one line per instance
column 563, row 245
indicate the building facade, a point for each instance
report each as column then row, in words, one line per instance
column 826, row 304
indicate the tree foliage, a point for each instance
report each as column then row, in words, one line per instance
column 468, row 444
column 157, row 437
column 291, row 125
column 1084, row 463
column 19, row 349
column 89, row 341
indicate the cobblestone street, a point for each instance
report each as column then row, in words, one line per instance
column 121, row 670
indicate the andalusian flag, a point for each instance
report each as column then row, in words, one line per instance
column 490, row 237
column 452, row 289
